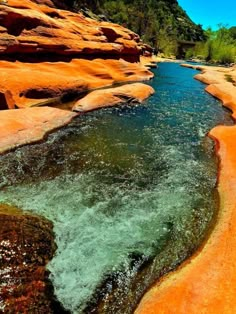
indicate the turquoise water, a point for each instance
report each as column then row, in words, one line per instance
column 130, row 191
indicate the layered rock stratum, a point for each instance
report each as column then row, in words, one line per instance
column 49, row 55
column 30, row 31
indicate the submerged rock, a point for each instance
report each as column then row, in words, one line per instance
column 26, row 246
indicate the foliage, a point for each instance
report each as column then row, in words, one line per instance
column 220, row 46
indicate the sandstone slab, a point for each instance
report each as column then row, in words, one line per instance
column 129, row 93
column 24, row 126
column 35, row 84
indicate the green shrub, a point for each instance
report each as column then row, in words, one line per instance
column 219, row 48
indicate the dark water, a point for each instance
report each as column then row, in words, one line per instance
column 130, row 191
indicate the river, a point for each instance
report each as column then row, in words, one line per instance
column 130, row 190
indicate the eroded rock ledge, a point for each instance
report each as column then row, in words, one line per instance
column 129, row 93
column 35, row 84
column 30, row 31
column 221, row 83
column 60, row 55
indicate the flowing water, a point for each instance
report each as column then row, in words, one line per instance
column 130, row 191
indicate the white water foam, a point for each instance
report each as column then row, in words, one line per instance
column 98, row 226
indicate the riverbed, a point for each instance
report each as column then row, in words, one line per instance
column 130, row 190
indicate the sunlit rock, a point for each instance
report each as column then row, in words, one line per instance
column 36, row 31
column 24, row 126
column 130, row 93
column 58, row 79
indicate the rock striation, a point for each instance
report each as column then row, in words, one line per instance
column 35, row 30
column 36, row 84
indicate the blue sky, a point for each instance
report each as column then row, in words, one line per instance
column 210, row 12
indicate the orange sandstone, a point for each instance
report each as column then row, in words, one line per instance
column 32, row 84
column 221, row 83
column 58, row 52
column 206, row 283
column 129, row 93
column 24, row 126
column 37, row 30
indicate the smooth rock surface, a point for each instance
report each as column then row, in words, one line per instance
column 24, row 126
column 129, row 93
column 221, row 83
column 48, row 53
column 35, row 84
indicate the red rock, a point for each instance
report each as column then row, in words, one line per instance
column 226, row 92
column 33, row 30
column 46, row 80
column 26, row 246
column 24, row 126
column 221, row 83
column 129, row 93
